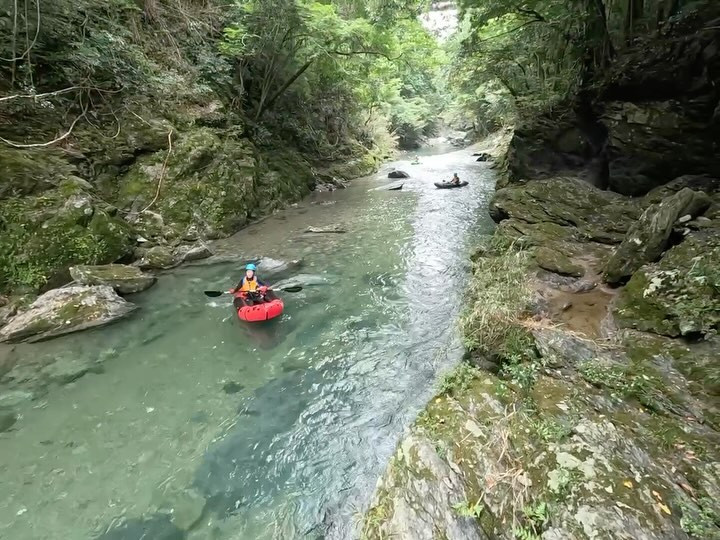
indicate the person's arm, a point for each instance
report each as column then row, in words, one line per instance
column 239, row 285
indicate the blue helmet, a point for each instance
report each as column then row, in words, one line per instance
column 251, row 266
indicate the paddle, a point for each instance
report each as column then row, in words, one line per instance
column 292, row 289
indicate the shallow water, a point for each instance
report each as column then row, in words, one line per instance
column 196, row 422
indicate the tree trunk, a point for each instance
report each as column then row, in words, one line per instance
column 270, row 102
column 634, row 11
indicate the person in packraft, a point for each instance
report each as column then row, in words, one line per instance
column 251, row 290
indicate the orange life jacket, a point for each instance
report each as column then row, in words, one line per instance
column 249, row 285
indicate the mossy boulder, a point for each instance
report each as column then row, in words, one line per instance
column 42, row 236
column 598, row 215
column 283, row 176
column 555, row 261
column 31, row 171
column 66, row 310
column 649, row 236
column 209, row 184
column 156, row 258
column 356, row 167
column 123, row 278
column 680, row 294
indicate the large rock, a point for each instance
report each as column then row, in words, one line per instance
column 156, row 258
column 415, row 500
column 599, row 215
column 648, row 238
column 268, row 266
column 398, row 174
column 123, row 278
column 679, row 295
column 555, row 261
column 62, row 311
column 194, row 252
column 44, row 235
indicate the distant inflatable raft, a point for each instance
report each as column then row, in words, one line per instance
column 448, row 185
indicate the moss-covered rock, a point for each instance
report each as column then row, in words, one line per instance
column 42, row 236
column 363, row 165
column 66, row 310
column 648, row 237
column 123, row 278
column 679, row 295
column 555, row 261
column 30, row 171
column 156, row 258
column 598, row 215
column 208, row 183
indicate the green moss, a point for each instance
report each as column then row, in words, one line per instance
column 25, row 172
column 678, row 295
column 356, row 167
column 42, row 236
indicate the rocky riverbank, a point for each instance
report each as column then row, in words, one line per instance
column 150, row 197
column 588, row 405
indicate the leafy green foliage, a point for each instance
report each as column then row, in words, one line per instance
column 536, row 519
column 513, row 60
column 468, row 509
column 700, row 519
column 458, row 380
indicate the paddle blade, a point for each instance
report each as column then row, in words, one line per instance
column 296, row 288
column 213, row 294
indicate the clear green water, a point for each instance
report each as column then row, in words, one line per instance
column 274, row 431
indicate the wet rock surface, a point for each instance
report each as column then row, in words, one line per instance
column 555, row 261
column 649, row 236
column 62, row 311
column 124, row 279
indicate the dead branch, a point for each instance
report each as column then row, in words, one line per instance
column 54, row 141
column 162, row 173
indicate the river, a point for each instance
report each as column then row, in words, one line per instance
column 195, row 421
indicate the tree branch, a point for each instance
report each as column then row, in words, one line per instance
column 531, row 12
column 511, row 31
column 375, row 53
column 46, row 94
column 54, row 141
column 270, row 102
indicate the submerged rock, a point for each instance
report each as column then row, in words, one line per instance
column 555, row 261
column 7, row 420
column 62, row 311
column 305, row 280
column 267, row 265
column 13, row 398
column 325, row 230
column 648, row 238
column 157, row 527
column 398, row 174
column 123, row 278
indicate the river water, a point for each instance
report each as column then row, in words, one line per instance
column 197, row 426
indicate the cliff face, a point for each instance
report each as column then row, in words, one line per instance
column 653, row 117
column 588, row 405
